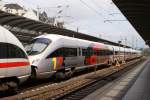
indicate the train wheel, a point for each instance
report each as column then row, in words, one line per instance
column 13, row 87
column 114, row 63
column 118, row 65
column 109, row 63
column 123, row 62
column 59, row 76
column 3, row 87
column 69, row 74
column 120, row 62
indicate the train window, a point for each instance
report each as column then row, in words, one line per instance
column 84, row 52
column 95, row 52
column 3, row 51
column 107, row 52
column 90, row 51
column 65, row 52
column 116, row 52
column 57, row 53
column 37, row 46
column 79, row 52
column 87, row 52
column 101, row 53
column 70, row 52
column 15, row 52
column 11, row 51
column 111, row 52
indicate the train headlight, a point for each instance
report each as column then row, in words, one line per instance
column 35, row 61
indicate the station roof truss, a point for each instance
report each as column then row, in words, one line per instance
column 138, row 13
column 37, row 28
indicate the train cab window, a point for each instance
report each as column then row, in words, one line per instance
column 37, row 46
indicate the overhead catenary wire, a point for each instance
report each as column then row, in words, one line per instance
column 102, row 8
column 93, row 9
column 112, row 20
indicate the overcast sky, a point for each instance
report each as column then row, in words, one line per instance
column 91, row 17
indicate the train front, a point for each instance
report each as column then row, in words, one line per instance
column 35, row 51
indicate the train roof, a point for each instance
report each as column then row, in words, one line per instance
column 72, row 41
column 7, row 37
column 54, row 37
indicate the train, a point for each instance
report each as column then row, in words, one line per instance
column 60, row 56
column 14, row 63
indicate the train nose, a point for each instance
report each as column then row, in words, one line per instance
column 33, row 60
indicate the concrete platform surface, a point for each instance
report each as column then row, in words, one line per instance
column 141, row 88
column 133, row 85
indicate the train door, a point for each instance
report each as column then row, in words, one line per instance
column 72, row 58
column 113, row 53
column 80, row 59
column 3, row 54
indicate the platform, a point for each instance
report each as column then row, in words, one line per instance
column 133, row 85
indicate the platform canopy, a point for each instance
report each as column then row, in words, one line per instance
column 138, row 13
column 26, row 29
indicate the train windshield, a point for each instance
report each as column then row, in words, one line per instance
column 37, row 46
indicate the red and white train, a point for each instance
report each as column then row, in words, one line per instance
column 61, row 55
column 14, row 64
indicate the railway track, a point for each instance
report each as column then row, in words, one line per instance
column 99, row 83
column 65, row 89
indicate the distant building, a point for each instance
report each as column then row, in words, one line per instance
column 31, row 14
column 43, row 17
column 14, row 9
column 50, row 20
column 1, row 4
column 18, row 10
